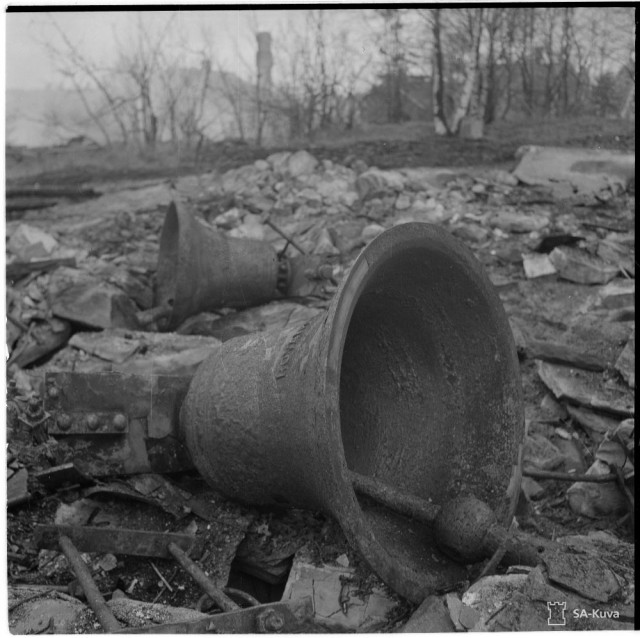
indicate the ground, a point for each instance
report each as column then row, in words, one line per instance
column 549, row 309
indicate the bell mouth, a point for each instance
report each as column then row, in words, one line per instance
column 423, row 367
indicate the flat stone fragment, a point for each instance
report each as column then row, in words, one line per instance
column 586, row 575
column 431, row 617
column 536, row 265
column 454, row 605
column 579, row 266
column 105, row 345
column 573, row 171
column 597, row 425
column 96, row 306
column 28, row 242
column 586, row 388
column 618, row 294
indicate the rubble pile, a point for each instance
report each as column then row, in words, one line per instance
column 81, row 276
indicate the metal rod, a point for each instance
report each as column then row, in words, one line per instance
column 394, row 499
column 520, row 548
column 93, row 595
column 206, row 584
column 285, row 236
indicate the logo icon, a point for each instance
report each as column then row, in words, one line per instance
column 556, row 614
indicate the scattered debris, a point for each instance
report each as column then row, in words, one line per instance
column 295, row 204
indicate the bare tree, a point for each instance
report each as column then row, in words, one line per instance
column 85, row 75
column 440, row 118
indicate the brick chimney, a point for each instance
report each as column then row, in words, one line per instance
column 264, row 59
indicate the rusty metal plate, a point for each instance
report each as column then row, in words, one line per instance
column 136, row 396
column 113, row 540
column 89, row 423
column 282, row 617
column 136, row 415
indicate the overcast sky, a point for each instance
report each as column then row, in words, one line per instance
column 30, row 66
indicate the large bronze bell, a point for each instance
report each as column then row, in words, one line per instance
column 411, row 377
column 201, row 269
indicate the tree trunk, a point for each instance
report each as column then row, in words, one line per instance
column 470, row 82
column 439, row 115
